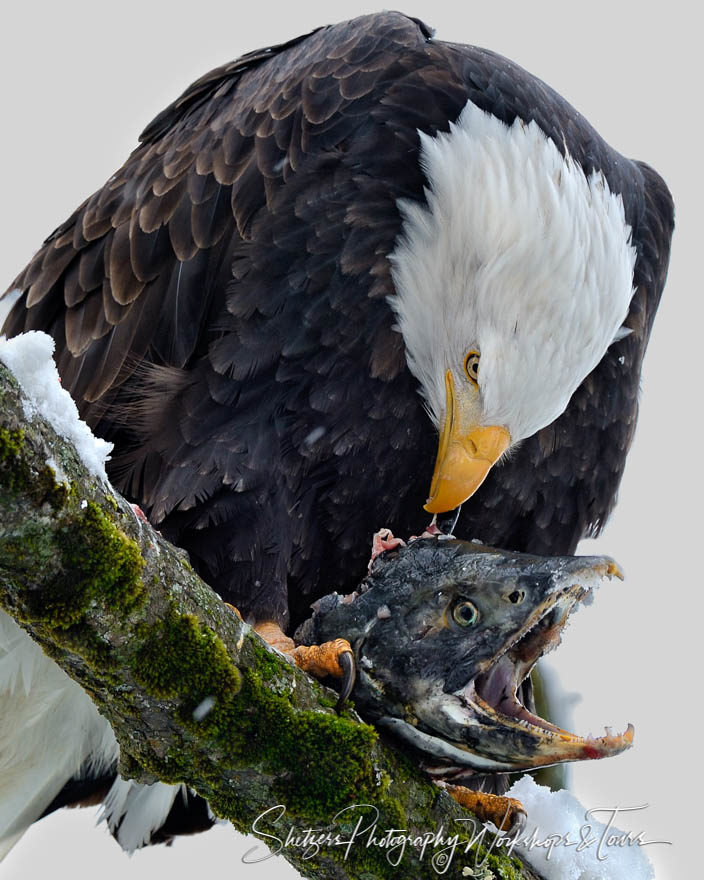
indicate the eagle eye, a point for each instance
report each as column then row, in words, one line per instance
column 471, row 367
column 465, row 613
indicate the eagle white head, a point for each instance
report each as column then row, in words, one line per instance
column 511, row 283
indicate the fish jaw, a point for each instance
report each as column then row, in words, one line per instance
column 483, row 725
column 450, row 690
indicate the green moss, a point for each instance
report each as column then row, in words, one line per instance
column 17, row 476
column 98, row 563
column 251, row 723
column 10, row 445
column 128, row 766
column 83, row 640
column 313, row 778
column 182, row 658
column 29, row 547
column 267, row 664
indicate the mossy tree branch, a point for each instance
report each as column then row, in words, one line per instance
column 125, row 615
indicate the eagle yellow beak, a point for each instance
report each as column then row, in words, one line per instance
column 464, row 457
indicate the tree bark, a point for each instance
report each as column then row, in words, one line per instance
column 192, row 693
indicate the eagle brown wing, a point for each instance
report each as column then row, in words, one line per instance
column 141, row 269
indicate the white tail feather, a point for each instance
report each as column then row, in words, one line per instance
column 49, row 729
column 137, row 811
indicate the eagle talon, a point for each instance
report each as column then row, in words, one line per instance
column 236, row 610
column 322, row 660
column 346, row 661
column 330, row 658
column 518, row 824
column 508, row 814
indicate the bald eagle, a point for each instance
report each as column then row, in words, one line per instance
column 340, row 280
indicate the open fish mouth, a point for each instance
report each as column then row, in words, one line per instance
column 484, row 725
column 494, row 693
column 445, row 633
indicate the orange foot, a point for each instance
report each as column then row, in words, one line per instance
column 508, row 814
column 331, row 658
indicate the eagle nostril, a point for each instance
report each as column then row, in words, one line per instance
column 516, row 597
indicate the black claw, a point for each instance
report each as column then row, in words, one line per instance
column 446, row 522
column 517, row 825
column 346, row 661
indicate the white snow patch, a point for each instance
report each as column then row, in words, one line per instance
column 29, row 357
column 584, row 848
column 57, row 469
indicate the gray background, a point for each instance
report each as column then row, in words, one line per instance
column 80, row 80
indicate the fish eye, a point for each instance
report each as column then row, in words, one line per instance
column 471, row 367
column 465, row 613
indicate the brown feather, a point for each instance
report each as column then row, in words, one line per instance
column 156, row 211
column 85, row 323
column 149, row 251
column 126, row 287
column 91, row 265
column 74, row 293
column 181, row 231
column 54, row 264
column 210, row 218
column 114, row 311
